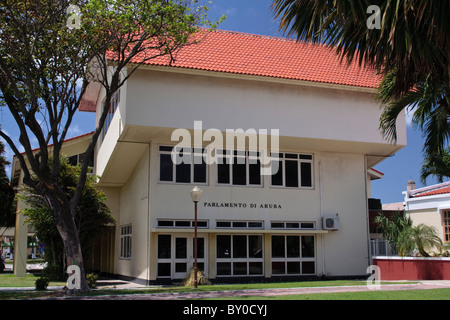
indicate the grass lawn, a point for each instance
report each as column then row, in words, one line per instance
column 429, row 294
column 10, row 280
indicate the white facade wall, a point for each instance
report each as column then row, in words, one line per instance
column 174, row 100
column 338, row 127
column 134, row 198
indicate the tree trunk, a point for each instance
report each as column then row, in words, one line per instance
column 423, row 252
column 67, row 228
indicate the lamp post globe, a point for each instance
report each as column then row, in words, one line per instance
column 196, row 193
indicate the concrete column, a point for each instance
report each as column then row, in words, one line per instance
column 20, row 246
column 153, row 264
column 212, row 272
column 267, row 256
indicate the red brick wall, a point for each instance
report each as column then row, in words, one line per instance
column 397, row 268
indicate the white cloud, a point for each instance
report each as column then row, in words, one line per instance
column 74, row 130
column 231, row 11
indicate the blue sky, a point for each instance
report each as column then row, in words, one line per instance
column 255, row 16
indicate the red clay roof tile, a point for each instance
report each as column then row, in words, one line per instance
column 249, row 54
column 435, row 192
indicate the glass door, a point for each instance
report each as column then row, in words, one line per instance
column 182, row 258
column 185, row 255
column 179, row 259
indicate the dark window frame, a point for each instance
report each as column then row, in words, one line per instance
column 295, row 171
column 176, row 173
column 248, row 163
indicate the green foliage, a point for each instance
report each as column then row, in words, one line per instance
column 421, row 237
column 54, row 271
column 42, row 283
column 91, row 218
column 437, row 165
column 429, row 104
column 91, row 279
column 413, row 38
column 406, row 238
column 392, row 227
column 7, row 207
column 46, row 68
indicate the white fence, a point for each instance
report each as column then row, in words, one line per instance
column 381, row 247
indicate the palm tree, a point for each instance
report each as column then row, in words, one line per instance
column 436, row 165
column 422, row 236
column 392, row 227
column 411, row 50
column 405, row 237
column 430, row 104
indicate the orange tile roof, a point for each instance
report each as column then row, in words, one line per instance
column 250, row 54
column 434, row 192
column 257, row 55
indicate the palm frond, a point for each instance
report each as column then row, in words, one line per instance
column 414, row 36
column 437, row 165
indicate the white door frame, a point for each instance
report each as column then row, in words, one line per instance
column 182, row 259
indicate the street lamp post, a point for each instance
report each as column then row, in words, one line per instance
column 196, row 193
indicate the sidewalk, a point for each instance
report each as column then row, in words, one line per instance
column 101, row 284
column 113, row 284
column 422, row 285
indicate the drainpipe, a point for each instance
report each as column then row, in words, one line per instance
column 367, row 180
column 148, row 210
column 321, row 218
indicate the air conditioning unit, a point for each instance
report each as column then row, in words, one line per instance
column 330, row 222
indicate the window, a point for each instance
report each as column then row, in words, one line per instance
column 190, row 169
column 164, row 255
column 294, row 171
column 239, row 255
column 446, row 226
column 115, row 100
column 175, row 252
column 182, row 223
column 238, row 168
column 292, row 225
column 239, row 224
column 76, row 159
column 293, row 254
column 125, row 242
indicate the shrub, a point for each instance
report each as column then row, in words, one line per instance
column 42, row 283
column 201, row 278
column 91, row 279
column 54, row 272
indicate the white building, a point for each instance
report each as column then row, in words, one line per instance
column 250, row 224
column 431, row 206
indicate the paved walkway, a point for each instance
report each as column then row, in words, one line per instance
column 423, row 285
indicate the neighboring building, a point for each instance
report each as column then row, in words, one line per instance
column 6, row 241
column 431, row 206
column 250, row 224
column 72, row 148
